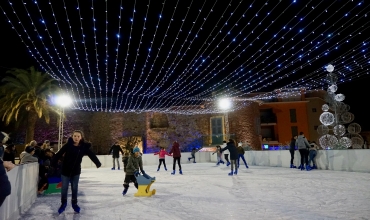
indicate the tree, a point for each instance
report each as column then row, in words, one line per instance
column 24, row 98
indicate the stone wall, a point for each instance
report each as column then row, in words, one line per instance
column 102, row 129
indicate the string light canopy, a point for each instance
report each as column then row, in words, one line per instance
column 178, row 56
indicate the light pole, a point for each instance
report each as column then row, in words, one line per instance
column 225, row 104
column 62, row 101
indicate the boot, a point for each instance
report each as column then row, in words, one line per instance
column 246, row 166
column 228, row 164
column 180, row 171
column 308, row 167
column 222, row 162
column 194, row 161
column 62, row 206
column 173, row 172
column 231, row 173
column 113, row 168
column 189, row 159
column 75, row 206
column 218, row 163
column 125, row 190
column 292, row 166
column 119, row 168
column 158, row 169
column 299, row 167
column 302, row 167
column 236, row 172
column 314, row 167
column 165, row 169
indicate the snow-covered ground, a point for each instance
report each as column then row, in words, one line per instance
column 205, row 191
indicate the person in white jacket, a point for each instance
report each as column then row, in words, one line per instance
column 226, row 153
column 27, row 155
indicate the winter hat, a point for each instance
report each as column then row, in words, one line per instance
column 136, row 149
column 29, row 149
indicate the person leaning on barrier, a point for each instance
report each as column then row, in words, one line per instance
column 27, row 155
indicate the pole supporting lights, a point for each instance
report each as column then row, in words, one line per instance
column 62, row 101
column 225, row 104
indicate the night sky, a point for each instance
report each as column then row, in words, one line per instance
column 145, row 55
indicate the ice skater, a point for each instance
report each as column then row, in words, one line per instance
column 219, row 155
column 73, row 151
column 176, row 153
column 233, row 156
column 193, row 155
column 134, row 163
column 226, row 153
column 116, row 149
column 292, row 151
column 162, row 154
column 241, row 153
column 312, row 154
column 303, row 145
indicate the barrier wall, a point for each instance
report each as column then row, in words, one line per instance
column 148, row 159
column 337, row 160
column 23, row 179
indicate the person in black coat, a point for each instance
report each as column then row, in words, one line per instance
column 5, row 188
column 292, row 150
column 116, row 149
column 73, row 151
column 233, row 156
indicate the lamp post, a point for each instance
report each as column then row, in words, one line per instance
column 62, row 101
column 225, row 104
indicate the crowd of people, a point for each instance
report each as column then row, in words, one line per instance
column 66, row 163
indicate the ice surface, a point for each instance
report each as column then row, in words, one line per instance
column 205, row 191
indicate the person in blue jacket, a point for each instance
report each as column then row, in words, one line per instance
column 73, row 151
column 233, row 156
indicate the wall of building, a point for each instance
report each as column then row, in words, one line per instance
column 313, row 117
column 284, row 124
column 102, row 129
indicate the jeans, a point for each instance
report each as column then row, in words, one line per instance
column 114, row 162
column 242, row 156
column 291, row 156
column 178, row 162
column 160, row 163
column 233, row 162
column 312, row 156
column 227, row 157
column 304, row 153
column 74, row 185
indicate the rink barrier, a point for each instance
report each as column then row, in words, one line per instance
column 337, row 160
column 23, row 180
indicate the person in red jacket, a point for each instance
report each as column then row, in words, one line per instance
column 175, row 152
column 162, row 153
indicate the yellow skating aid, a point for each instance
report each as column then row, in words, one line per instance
column 144, row 182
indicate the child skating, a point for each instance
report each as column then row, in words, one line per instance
column 193, row 155
column 73, row 152
column 219, row 155
column 134, row 163
column 241, row 153
column 162, row 154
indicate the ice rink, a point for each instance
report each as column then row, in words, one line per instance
column 205, row 191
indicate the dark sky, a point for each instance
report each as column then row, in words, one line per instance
column 175, row 50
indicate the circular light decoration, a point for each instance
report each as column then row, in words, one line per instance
column 357, row 140
column 327, row 118
column 333, row 88
column 339, row 107
column 325, row 107
column 345, row 142
column 331, row 78
column 339, row 130
column 329, row 68
column 322, row 130
column 354, row 128
column 328, row 141
column 224, row 103
column 339, row 97
column 347, row 117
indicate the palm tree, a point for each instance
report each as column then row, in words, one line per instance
column 24, row 98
